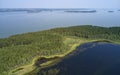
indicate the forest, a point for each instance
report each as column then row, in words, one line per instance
column 21, row 49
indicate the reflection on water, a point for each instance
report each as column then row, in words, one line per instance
column 30, row 20
column 96, row 59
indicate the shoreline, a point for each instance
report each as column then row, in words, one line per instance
column 48, row 44
column 24, row 69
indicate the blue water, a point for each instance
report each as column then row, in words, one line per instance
column 90, row 59
column 22, row 22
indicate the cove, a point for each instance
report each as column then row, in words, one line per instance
column 97, row 58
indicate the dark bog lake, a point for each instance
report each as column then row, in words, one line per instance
column 17, row 21
column 89, row 59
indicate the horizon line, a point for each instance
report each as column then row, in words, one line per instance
column 60, row 8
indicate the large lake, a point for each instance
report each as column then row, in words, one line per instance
column 89, row 59
column 14, row 22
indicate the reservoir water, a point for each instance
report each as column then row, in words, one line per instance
column 20, row 21
column 89, row 59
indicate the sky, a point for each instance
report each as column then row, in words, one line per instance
column 59, row 3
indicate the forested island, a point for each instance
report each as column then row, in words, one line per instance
column 82, row 11
column 20, row 53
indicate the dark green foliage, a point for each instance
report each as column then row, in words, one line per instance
column 90, row 32
column 20, row 49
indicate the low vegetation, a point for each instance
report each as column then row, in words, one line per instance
column 19, row 52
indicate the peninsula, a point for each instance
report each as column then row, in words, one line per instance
column 19, row 53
